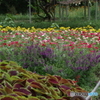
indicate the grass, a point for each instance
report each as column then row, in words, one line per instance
column 73, row 23
column 75, row 19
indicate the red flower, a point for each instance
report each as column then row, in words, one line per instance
column 52, row 43
column 96, row 48
column 92, row 51
column 4, row 43
column 72, row 47
column 70, row 44
column 17, row 34
column 75, row 81
column 98, row 39
column 9, row 44
column 14, row 42
column 77, row 78
column 59, row 37
column 89, row 46
column 43, row 44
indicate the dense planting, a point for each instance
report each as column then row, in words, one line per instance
column 68, row 53
column 86, row 37
column 18, row 84
column 68, row 64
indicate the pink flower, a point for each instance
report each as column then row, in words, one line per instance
column 5, row 38
column 59, row 37
column 96, row 47
column 89, row 46
column 92, row 51
column 65, row 45
column 14, row 42
column 52, row 43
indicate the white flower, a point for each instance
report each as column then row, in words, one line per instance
column 22, row 35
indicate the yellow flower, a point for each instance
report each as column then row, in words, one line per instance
column 1, row 26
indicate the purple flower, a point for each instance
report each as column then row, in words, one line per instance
column 98, row 56
column 60, row 70
column 81, row 52
column 1, row 60
column 47, row 54
column 48, row 68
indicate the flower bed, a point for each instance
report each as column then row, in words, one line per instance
column 69, row 53
column 84, row 37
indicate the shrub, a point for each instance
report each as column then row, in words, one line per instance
column 7, row 22
column 17, row 83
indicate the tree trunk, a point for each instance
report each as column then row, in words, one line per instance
column 30, row 20
column 67, row 10
column 47, row 7
column 89, row 15
column 99, row 8
column 60, row 11
column 85, row 9
column 96, row 11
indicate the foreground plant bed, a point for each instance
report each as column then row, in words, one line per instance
column 17, row 83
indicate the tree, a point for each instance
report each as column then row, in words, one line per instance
column 13, row 6
column 45, row 8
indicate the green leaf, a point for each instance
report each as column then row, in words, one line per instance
column 33, row 98
column 8, row 98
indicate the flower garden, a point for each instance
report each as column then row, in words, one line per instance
column 63, row 58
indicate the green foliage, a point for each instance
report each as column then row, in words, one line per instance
column 17, row 83
column 23, row 21
column 54, row 25
column 7, row 22
column 93, row 11
column 73, row 23
column 68, row 60
column 57, row 62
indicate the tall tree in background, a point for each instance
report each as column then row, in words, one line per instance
column 45, row 8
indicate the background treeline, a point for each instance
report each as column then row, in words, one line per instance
column 21, row 6
column 45, row 12
column 13, row 6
